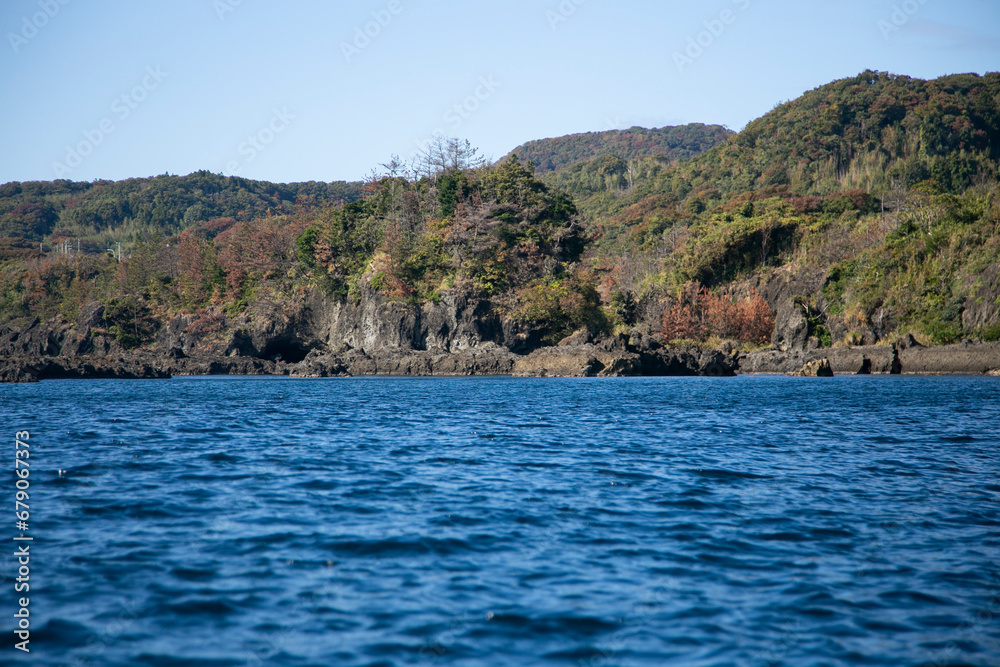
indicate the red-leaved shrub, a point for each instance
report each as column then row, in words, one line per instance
column 699, row 314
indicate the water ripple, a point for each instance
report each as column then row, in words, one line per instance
column 695, row 521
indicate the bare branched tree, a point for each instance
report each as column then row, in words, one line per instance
column 446, row 154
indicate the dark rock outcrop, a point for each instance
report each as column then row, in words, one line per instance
column 30, row 337
column 374, row 324
column 779, row 285
column 907, row 356
column 482, row 361
column 688, row 361
column 615, row 357
column 965, row 358
column 865, row 360
column 818, row 368
column 791, row 328
column 586, row 360
column 51, row 368
column 457, row 335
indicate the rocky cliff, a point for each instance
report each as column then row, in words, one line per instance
column 316, row 336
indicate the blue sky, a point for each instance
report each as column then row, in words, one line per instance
column 307, row 90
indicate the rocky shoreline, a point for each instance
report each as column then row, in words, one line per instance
column 904, row 357
column 588, row 360
column 605, row 358
column 457, row 336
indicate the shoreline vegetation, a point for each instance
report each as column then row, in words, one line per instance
column 859, row 223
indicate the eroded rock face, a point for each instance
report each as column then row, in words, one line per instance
column 908, row 357
column 771, row 361
column 867, row 360
column 581, row 337
column 457, row 322
column 819, row 368
column 907, row 342
column 586, row 360
column 791, row 328
column 31, row 337
column 966, row 358
column 458, row 335
column 611, row 357
column 688, row 361
column 781, row 284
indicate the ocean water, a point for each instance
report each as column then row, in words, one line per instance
column 502, row 521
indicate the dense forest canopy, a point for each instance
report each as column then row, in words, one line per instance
column 879, row 133
column 871, row 132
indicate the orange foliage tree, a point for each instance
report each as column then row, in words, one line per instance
column 698, row 314
column 193, row 265
column 258, row 249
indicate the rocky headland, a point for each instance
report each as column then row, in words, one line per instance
column 319, row 337
column 456, row 336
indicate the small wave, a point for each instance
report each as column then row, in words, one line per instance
column 582, row 654
column 782, row 537
column 911, row 597
column 216, row 608
column 878, row 625
column 319, row 484
column 61, row 632
column 722, row 474
column 637, row 476
column 161, row 660
column 947, row 621
column 689, row 504
column 194, row 574
column 136, row 510
column 87, row 469
column 402, row 547
column 453, row 461
column 556, row 625
column 222, row 457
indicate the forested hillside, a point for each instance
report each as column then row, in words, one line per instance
column 881, row 187
column 872, row 202
column 102, row 213
column 875, row 132
column 669, row 143
column 491, row 230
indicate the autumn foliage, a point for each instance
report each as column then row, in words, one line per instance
column 259, row 250
column 699, row 314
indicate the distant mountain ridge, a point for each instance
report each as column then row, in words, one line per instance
column 107, row 211
column 672, row 142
